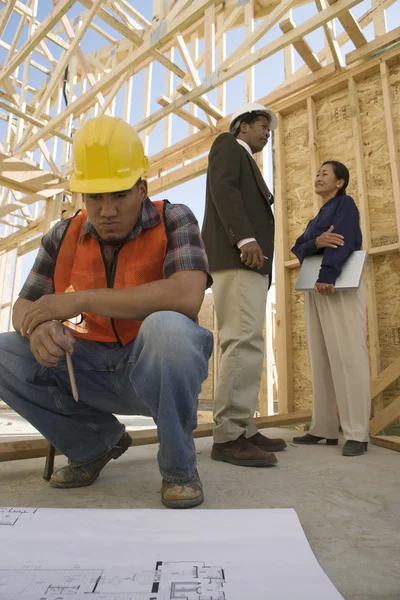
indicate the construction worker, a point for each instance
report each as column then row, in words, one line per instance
column 238, row 233
column 134, row 272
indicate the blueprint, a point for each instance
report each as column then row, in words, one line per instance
column 93, row 554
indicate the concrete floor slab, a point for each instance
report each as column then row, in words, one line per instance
column 349, row 507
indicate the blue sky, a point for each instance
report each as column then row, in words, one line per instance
column 268, row 75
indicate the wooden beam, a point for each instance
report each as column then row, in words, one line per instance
column 185, row 173
column 391, row 442
column 266, row 24
column 18, row 113
column 283, row 333
column 80, row 104
column 5, row 15
column 19, row 175
column 385, row 417
column 46, row 26
column 379, row 19
column 64, row 60
column 380, row 44
column 389, row 249
column 37, row 447
column 183, row 114
column 224, row 74
column 124, row 30
column 385, row 378
column 301, row 46
column 330, row 36
column 25, row 233
column 351, row 27
column 201, row 102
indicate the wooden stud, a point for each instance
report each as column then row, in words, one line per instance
column 169, row 83
column 209, row 40
column 283, row 333
column 372, row 311
column 391, row 138
column 379, row 19
column 313, row 146
column 248, row 30
column 221, row 56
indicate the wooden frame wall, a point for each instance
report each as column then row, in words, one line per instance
column 358, row 114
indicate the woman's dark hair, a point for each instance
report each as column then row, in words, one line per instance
column 341, row 172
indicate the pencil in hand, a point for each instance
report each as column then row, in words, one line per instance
column 72, row 376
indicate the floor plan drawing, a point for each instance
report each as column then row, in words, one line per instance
column 9, row 516
column 166, row 581
column 148, row 554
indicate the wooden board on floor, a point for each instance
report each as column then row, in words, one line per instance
column 392, row 442
column 35, row 448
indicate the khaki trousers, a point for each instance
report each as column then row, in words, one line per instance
column 240, row 297
column 336, row 336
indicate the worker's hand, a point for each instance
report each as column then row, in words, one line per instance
column 325, row 289
column 51, row 307
column 49, row 343
column 328, row 239
column 252, row 255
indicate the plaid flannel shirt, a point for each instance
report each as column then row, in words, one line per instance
column 185, row 248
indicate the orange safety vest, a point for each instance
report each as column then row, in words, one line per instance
column 80, row 266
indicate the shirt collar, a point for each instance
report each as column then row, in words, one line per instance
column 148, row 218
column 245, row 146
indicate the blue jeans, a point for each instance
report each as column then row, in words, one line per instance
column 159, row 375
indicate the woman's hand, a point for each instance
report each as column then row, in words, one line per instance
column 329, row 239
column 326, row 289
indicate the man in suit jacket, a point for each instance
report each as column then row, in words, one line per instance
column 238, row 233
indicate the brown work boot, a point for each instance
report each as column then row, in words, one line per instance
column 182, row 495
column 267, row 444
column 243, row 453
column 79, row 475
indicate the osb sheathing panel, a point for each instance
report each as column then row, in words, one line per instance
column 378, row 175
column 335, row 141
column 299, row 203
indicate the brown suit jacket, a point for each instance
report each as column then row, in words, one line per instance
column 238, row 206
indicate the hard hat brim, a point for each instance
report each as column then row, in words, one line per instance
column 104, row 186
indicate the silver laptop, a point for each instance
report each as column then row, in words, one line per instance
column 348, row 279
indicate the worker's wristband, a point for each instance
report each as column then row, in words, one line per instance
column 316, row 244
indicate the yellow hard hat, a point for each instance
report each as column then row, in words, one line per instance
column 107, row 156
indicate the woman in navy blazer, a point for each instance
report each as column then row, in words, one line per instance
column 336, row 321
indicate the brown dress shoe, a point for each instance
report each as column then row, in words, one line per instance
column 267, row 444
column 242, row 453
column 182, row 495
